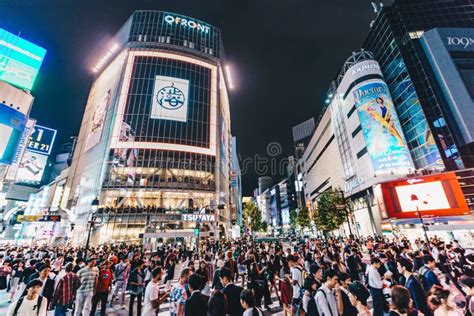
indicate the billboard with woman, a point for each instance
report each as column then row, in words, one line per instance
column 382, row 131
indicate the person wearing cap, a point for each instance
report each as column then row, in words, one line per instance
column 32, row 304
column 85, row 292
column 358, row 295
column 467, row 284
column 42, row 274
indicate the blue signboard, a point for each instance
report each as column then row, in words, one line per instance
column 381, row 127
column 41, row 140
column 20, row 60
column 12, row 124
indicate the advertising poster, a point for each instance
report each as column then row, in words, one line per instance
column 41, row 140
column 31, row 168
column 223, row 147
column 98, row 120
column 422, row 197
column 22, row 145
column 20, row 60
column 12, row 124
column 170, row 99
column 381, row 128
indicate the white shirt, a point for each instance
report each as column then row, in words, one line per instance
column 375, row 280
column 326, row 302
column 296, row 276
column 152, row 293
column 249, row 312
column 28, row 307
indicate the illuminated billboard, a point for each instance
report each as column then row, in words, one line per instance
column 434, row 195
column 170, row 99
column 12, row 124
column 41, row 140
column 98, row 121
column 31, row 168
column 381, row 128
column 35, row 158
column 20, row 60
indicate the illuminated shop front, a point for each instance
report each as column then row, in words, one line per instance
column 156, row 130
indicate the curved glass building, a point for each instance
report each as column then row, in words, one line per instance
column 154, row 143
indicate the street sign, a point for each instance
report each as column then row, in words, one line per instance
column 38, row 218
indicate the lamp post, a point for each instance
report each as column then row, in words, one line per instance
column 414, row 198
column 94, row 205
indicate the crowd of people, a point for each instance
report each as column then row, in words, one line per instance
column 243, row 277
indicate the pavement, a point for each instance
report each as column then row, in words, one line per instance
column 118, row 310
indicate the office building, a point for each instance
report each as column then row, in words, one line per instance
column 154, row 144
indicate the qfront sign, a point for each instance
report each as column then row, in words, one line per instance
column 198, row 217
column 187, row 23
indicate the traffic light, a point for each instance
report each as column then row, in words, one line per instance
column 196, row 232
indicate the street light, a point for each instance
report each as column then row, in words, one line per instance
column 414, row 198
column 94, row 205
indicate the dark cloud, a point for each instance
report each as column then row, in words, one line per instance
column 283, row 53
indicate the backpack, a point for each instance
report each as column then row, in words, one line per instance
column 420, row 276
column 326, row 298
column 20, row 301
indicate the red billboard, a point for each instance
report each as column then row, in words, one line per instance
column 433, row 195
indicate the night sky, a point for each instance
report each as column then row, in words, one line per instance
column 283, row 53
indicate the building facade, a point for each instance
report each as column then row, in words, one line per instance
column 155, row 136
column 358, row 142
column 401, row 40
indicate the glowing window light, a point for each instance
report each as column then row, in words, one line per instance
column 229, row 77
column 112, row 50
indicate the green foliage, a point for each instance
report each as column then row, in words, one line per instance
column 252, row 217
column 264, row 226
column 331, row 211
column 293, row 219
column 303, row 218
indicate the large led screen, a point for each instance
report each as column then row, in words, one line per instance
column 381, row 128
column 168, row 101
column 422, row 197
column 12, row 124
column 20, row 60
column 434, row 195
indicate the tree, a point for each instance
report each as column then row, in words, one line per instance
column 293, row 219
column 331, row 211
column 252, row 217
column 264, row 226
column 303, row 218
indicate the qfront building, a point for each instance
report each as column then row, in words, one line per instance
column 155, row 142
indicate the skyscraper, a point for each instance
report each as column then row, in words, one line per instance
column 432, row 124
column 155, row 138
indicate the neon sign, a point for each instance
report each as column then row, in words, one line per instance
column 170, row 19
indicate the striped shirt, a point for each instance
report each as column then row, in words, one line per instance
column 87, row 277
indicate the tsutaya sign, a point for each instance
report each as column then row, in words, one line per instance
column 185, row 22
column 198, row 217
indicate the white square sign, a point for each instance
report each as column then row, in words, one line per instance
column 170, row 99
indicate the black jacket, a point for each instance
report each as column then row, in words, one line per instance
column 232, row 295
column 196, row 305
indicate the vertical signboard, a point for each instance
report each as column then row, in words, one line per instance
column 98, row 120
column 381, row 128
column 35, row 158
